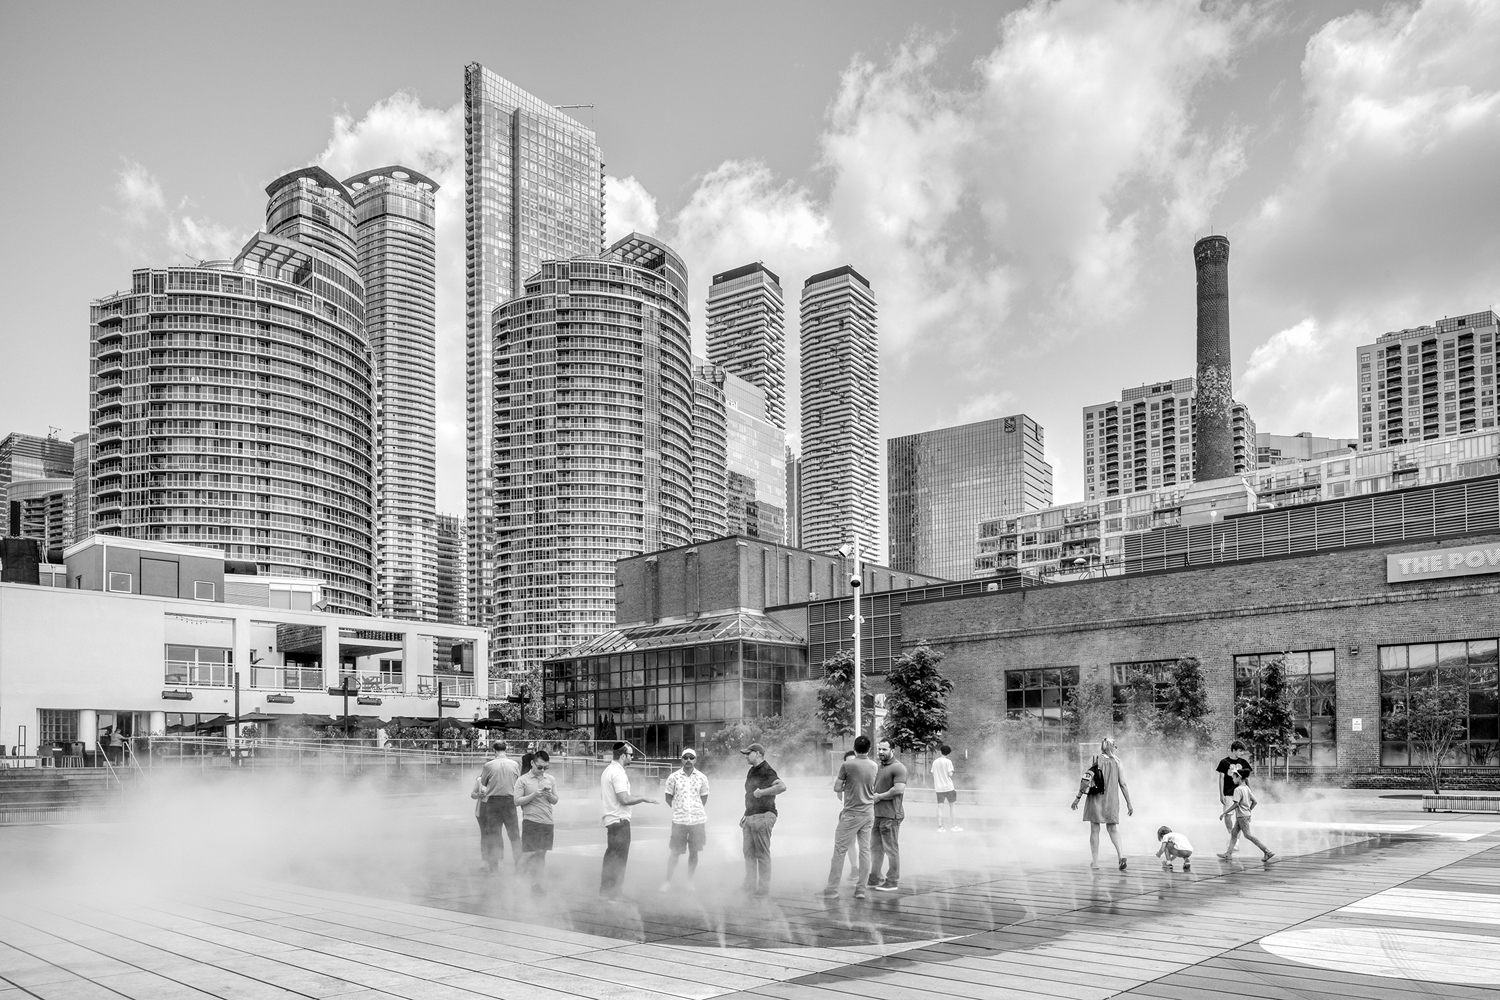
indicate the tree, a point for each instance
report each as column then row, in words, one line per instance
column 786, row 738
column 1432, row 723
column 1265, row 718
column 1089, row 713
column 836, row 695
column 1144, row 718
column 1186, row 711
column 917, row 708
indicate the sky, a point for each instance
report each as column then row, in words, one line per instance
column 1021, row 183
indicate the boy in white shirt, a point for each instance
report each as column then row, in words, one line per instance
column 1173, row 845
column 942, row 784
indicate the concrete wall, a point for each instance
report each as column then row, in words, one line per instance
column 1337, row 600
column 87, row 569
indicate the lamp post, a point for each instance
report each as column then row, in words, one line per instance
column 856, row 578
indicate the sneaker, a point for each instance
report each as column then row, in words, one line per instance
column 762, row 893
column 887, row 887
column 956, row 829
column 860, row 894
column 872, row 882
column 1122, row 864
column 1270, row 856
column 1225, row 856
column 942, row 829
column 831, row 891
column 1187, row 866
column 1166, row 866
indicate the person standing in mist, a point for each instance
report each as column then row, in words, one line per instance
column 856, row 783
column 942, row 784
column 890, row 796
column 536, row 794
column 686, row 793
column 1224, row 773
column 496, row 809
column 1104, row 806
column 762, row 785
column 615, row 797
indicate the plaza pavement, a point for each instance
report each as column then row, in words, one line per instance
column 1386, row 902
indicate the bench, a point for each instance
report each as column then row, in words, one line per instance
column 1461, row 802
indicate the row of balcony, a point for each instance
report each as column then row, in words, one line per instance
column 188, row 673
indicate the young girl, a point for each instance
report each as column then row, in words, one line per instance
column 1240, row 805
column 1173, row 846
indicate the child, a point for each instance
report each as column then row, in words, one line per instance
column 1240, row 805
column 1173, row 845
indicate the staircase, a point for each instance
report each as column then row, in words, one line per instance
column 49, row 794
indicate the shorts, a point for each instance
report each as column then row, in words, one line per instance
column 688, row 838
column 950, row 796
column 535, row 836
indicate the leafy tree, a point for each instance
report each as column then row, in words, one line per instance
column 787, row 738
column 1010, row 736
column 1265, row 719
column 917, row 708
column 836, row 695
column 1140, row 712
column 1089, row 714
column 1186, row 711
column 1432, row 722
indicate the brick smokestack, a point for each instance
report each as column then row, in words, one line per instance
column 1214, row 433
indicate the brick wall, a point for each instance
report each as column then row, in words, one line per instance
column 1336, row 600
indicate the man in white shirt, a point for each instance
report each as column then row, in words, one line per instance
column 616, row 800
column 686, row 791
column 942, row 783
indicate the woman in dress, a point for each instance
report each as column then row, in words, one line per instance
column 1105, row 806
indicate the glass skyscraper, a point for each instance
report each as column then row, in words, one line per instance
column 534, row 191
column 840, row 413
column 942, row 483
column 710, row 453
column 394, row 217
column 756, row 465
column 746, row 325
column 451, row 571
column 594, row 445
column 26, row 456
column 232, row 402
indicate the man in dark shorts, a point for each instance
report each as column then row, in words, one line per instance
column 686, row 792
column 890, row 795
column 762, row 785
column 1224, row 779
column 536, row 794
column 947, row 793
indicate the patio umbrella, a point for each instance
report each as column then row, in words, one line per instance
column 556, row 726
column 493, row 724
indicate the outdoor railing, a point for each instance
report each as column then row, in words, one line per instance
column 287, row 678
column 454, row 685
column 193, row 674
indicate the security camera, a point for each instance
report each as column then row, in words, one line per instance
column 855, row 582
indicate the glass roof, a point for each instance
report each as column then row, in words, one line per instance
column 720, row 628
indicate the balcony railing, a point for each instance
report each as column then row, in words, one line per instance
column 287, row 678
column 383, row 683
column 454, row 685
column 190, row 673
column 499, row 688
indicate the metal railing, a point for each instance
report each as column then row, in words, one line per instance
column 194, row 674
column 454, row 685
column 287, row 678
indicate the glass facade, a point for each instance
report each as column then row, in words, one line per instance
column 663, row 687
column 452, row 578
column 1468, row 668
column 594, row 401
column 394, row 211
column 746, row 321
column 840, row 413
column 1042, row 693
column 710, row 476
column 232, row 403
column 25, row 456
column 534, row 191
column 1428, row 383
column 756, row 463
column 943, row 483
column 1311, row 690
column 1123, row 675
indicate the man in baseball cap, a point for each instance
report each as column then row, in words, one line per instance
column 762, row 785
column 687, row 793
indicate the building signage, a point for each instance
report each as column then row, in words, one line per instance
column 1435, row 564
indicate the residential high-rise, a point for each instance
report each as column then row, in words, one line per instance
column 232, row 401
column 1428, row 383
column 82, row 522
column 757, row 464
column 534, row 191
column 394, row 215
column 840, row 413
column 41, row 509
column 452, row 551
column 1147, row 439
column 710, row 452
column 942, row 483
column 746, row 325
column 26, row 456
column 1284, row 449
column 793, row 498
column 594, row 455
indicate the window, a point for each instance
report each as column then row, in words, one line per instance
column 1124, row 674
column 1310, row 689
column 56, row 725
column 1041, row 693
column 119, row 583
column 200, row 666
column 203, row 590
column 1468, row 667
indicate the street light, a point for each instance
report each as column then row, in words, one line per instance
column 856, row 578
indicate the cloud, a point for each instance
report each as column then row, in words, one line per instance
column 150, row 229
column 628, row 208
column 1288, row 378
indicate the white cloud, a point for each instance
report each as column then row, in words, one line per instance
column 201, row 238
column 139, row 194
column 152, row 230
column 628, row 208
column 1290, row 379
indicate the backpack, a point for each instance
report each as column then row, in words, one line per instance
column 1096, row 778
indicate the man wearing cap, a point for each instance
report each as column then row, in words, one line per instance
column 615, row 801
column 762, row 785
column 686, row 791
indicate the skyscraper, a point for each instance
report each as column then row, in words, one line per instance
column 1428, row 383
column 394, row 214
column 944, row 482
column 452, row 578
column 41, row 509
column 840, row 413
column 1148, row 439
column 534, row 191
column 756, row 464
column 82, row 522
column 746, row 323
column 26, row 456
column 594, row 451
column 232, row 402
column 710, row 453
column 793, row 499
